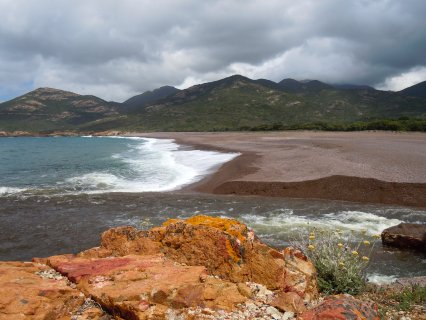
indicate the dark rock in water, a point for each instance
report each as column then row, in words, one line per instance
column 342, row 307
column 406, row 236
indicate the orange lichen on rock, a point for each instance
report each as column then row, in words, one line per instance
column 201, row 262
column 229, row 226
column 226, row 247
column 170, row 221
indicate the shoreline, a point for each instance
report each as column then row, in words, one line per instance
column 366, row 167
column 236, row 176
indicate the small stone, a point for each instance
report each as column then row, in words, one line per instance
column 207, row 311
column 287, row 315
column 250, row 305
column 273, row 312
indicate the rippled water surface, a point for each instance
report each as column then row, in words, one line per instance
column 48, row 225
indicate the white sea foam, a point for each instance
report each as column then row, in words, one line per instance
column 7, row 191
column 380, row 278
column 153, row 165
column 286, row 221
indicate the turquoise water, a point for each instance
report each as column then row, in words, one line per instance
column 45, row 163
column 99, row 164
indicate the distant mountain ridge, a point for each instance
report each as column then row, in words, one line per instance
column 232, row 103
column 50, row 109
column 148, row 97
column 418, row 90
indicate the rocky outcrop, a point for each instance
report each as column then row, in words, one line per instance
column 15, row 134
column 135, row 287
column 406, row 236
column 226, row 247
column 202, row 267
column 342, row 307
column 35, row 291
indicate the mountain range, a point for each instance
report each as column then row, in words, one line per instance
column 232, row 103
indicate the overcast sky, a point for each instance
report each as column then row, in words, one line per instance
column 118, row 48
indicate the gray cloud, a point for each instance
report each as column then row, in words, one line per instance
column 115, row 49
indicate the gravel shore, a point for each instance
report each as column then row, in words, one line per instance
column 376, row 167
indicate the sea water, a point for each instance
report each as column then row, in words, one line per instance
column 65, row 165
column 58, row 194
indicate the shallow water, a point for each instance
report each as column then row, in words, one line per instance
column 47, row 225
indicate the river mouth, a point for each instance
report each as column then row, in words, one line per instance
column 40, row 226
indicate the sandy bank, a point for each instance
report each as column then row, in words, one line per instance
column 380, row 167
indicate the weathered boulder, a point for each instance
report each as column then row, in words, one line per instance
column 123, row 241
column 34, row 291
column 406, row 236
column 225, row 247
column 136, row 287
column 342, row 307
column 184, row 269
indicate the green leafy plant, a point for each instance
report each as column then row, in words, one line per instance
column 339, row 259
column 411, row 295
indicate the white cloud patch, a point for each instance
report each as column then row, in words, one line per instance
column 404, row 80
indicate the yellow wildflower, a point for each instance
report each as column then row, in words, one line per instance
column 366, row 242
column 311, row 237
column 340, row 245
column 376, row 236
column 355, row 253
column 363, row 231
column 311, row 247
column 341, row 264
column 365, row 258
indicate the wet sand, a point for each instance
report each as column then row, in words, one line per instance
column 376, row 167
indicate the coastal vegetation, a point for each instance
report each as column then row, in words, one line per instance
column 339, row 259
column 409, row 296
column 235, row 103
column 400, row 124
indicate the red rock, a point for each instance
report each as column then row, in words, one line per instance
column 342, row 307
column 288, row 301
column 136, row 286
column 202, row 262
column 27, row 292
column 226, row 247
column 406, row 236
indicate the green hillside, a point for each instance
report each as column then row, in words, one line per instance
column 418, row 90
column 47, row 109
column 238, row 103
column 233, row 103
